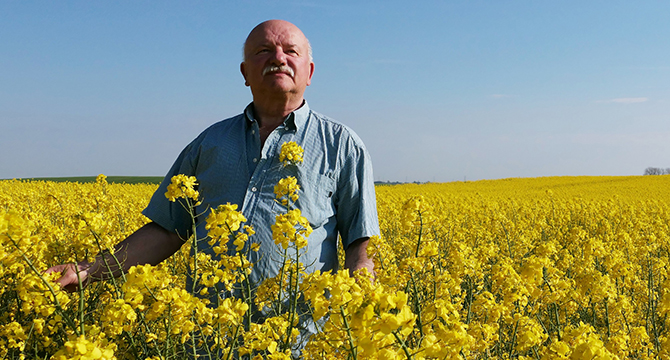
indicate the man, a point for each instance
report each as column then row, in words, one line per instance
column 236, row 161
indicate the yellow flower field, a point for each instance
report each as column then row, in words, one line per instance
column 544, row 268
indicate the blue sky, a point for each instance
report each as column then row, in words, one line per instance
column 438, row 90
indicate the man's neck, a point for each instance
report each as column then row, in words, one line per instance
column 271, row 114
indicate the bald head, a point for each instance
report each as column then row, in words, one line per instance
column 275, row 26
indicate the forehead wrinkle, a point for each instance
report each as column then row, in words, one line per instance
column 278, row 40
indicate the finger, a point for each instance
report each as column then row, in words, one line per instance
column 68, row 273
column 71, row 278
column 66, row 279
column 57, row 268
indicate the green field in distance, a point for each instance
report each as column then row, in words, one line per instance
column 110, row 179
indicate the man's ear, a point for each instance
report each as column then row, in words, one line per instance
column 311, row 72
column 244, row 74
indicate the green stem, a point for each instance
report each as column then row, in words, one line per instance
column 247, row 296
column 293, row 297
column 281, row 282
column 511, row 346
column 418, row 242
column 107, row 265
column 352, row 347
column 417, row 306
column 81, row 303
column 470, row 299
column 558, row 322
column 232, row 345
column 402, row 345
column 194, row 235
column 607, row 319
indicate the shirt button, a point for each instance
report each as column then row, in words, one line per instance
column 253, row 189
column 253, row 131
column 255, row 159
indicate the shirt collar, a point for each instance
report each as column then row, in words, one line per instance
column 294, row 120
column 300, row 115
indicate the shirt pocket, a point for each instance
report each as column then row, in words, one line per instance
column 316, row 198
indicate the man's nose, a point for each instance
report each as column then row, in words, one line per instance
column 278, row 56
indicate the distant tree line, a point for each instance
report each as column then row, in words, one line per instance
column 398, row 182
column 656, row 171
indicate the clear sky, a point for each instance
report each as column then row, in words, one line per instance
column 438, row 90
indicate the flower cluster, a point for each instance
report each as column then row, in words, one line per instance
column 286, row 190
column 291, row 227
column 225, row 227
column 81, row 348
column 182, row 186
column 291, row 153
column 224, row 221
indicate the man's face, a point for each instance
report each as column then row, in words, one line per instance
column 277, row 60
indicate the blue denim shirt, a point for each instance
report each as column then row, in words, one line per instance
column 337, row 192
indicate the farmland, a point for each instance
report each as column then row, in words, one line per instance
column 542, row 268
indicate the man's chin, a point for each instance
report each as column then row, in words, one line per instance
column 281, row 86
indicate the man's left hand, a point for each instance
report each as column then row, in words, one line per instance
column 356, row 257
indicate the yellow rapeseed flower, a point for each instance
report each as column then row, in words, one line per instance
column 291, row 153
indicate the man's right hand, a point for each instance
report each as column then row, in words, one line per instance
column 150, row 244
column 69, row 279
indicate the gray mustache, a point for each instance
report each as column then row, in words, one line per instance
column 275, row 68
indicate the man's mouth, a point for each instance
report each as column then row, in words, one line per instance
column 278, row 69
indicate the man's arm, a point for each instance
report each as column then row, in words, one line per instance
column 356, row 257
column 150, row 244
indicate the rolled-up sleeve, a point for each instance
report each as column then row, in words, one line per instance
column 356, row 200
column 172, row 216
